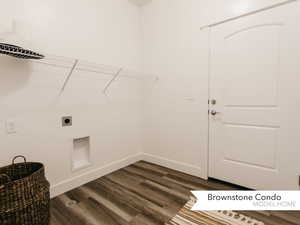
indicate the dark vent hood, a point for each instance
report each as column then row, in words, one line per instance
column 19, row 52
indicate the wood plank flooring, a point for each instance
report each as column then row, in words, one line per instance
column 141, row 194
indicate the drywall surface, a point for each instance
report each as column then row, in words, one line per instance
column 178, row 52
column 104, row 31
column 99, row 31
column 176, row 106
column 109, row 32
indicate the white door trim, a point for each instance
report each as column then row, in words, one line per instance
column 247, row 14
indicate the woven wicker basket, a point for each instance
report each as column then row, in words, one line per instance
column 24, row 194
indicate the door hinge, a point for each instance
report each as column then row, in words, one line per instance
column 212, row 101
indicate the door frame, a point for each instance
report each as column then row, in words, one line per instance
column 207, row 164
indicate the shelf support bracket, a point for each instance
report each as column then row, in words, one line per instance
column 68, row 77
column 112, row 80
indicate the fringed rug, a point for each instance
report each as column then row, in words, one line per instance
column 188, row 217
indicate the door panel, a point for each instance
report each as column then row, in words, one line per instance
column 261, row 138
column 256, row 116
column 248, row 133
column 252, row 59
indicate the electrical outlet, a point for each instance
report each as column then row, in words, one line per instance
column 66, row 121
column 10, row 126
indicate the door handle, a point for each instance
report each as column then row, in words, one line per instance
column 214, row 112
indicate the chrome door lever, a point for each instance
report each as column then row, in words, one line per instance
column 214, row 112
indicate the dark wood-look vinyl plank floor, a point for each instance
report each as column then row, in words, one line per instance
column 142, row 194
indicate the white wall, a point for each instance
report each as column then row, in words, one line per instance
column 109, row 32
column 175, row 49
column 100, row 31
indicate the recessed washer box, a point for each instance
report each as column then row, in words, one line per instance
column 81, row 153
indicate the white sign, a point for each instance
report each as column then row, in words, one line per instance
column 246, row 200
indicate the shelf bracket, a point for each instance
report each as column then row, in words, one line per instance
column 68, row 77
column 112, row 80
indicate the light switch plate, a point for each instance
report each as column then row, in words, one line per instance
column 10, row 126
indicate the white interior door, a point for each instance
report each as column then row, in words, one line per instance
column 255, row 63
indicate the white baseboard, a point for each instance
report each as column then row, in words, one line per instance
column 89, row 176
column 94, row 174
column 175, row 165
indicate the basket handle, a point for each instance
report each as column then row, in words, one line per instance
column 18, row 156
